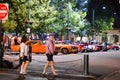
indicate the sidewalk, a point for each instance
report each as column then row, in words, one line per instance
column 10, row 74
column 35, row 73
column 112, row 76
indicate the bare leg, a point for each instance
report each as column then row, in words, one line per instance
column 26, row 65
column 46, row 66
column 53, row 67
column 22, row 67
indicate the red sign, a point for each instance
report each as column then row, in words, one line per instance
column 3, row 11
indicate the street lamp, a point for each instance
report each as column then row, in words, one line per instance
column 28, row 10
column 28, row 19
column 93, row 20
column 68, row 27
column 103, row 11
column 104, row 8
column 28, row 22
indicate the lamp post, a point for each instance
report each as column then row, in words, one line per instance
column 28, row 10
column 103, row 14
column 103, row 11
column 28, row 22
column 93, row 20
column 68, row 29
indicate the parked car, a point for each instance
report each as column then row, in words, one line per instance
column 39, row 47
column 98, row 47
column 65, row 48
column 82, row 47
column 112, row 46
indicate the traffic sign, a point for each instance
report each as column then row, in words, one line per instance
column 3, row 11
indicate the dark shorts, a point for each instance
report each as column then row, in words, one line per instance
column 49, row 57
column 26, row 58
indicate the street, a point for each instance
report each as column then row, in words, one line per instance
column 100, row 64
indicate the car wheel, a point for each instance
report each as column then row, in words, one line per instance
column 65, row 51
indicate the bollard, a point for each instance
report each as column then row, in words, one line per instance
column 86, row 64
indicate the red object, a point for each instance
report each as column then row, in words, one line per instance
column 3, row 11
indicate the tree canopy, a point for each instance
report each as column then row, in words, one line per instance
column 17, row 16
column 42, row 15
column 56, row 15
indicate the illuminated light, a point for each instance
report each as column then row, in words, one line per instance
column 103, row 7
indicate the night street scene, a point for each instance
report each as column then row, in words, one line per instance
column 59, row 39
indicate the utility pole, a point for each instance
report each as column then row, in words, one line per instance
column 1, row 45
column 3, row 16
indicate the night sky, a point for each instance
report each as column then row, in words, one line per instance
column 116, row 5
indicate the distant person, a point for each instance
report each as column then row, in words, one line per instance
column 6, row 41
column 49, row 54
column 25, row 55
column 16, row 40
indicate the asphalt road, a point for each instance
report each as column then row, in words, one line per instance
column 100, row 63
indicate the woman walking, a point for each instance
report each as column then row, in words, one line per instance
column 49, row 54
column 25, row 57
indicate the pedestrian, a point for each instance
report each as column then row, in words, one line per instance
column 6, row 41
column 49, row 54
column 25, row 55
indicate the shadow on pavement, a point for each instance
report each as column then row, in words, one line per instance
column 21, row 77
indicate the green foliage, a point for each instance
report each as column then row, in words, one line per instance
column 67, row 17
column 17, row 16
column 42, row 15
column 103, row 25
column 103, row 13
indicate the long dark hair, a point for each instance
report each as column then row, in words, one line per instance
column 24, row 39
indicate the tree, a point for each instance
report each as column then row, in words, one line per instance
column 42, row 15
column 68, row 16
column 100, row 15
column 15, row 21
column 17, row 16
column 103, row 25
column 102, row 8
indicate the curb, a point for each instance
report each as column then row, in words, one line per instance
column 65, row 76
column 112, row 76
column 36, row 74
